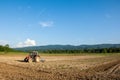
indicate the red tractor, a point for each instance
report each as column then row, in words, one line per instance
column 32, row 57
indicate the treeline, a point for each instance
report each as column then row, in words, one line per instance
column 6, row 48
column 102, row 50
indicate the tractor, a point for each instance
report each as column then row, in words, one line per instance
column 32, row 57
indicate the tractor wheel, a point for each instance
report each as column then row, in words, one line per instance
column 26, row 60
column 30, row 60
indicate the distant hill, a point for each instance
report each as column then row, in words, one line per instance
column 68, row 47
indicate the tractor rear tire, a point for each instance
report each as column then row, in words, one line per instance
column 30, row 60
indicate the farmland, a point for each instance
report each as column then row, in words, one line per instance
column 61, row 67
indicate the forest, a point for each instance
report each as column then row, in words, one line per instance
column 7, row 49
column 101, row 50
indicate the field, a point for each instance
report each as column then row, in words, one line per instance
column 61, row 67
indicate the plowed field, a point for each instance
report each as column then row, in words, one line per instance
column 88, row 67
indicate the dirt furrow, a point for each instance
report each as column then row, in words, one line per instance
column 114, row 69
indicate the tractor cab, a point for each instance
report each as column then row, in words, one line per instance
column 33, row 54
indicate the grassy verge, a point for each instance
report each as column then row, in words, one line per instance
column 12, row 53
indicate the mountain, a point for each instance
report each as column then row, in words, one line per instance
column 68, row 47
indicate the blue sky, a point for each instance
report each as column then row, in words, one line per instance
column 45, row 22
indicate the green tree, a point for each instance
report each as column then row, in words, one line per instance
column 6, row 48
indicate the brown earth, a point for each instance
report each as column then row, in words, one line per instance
column 88, row 67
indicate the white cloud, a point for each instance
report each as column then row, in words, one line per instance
column 3, row 42
column 46, row 24
column 26, row 43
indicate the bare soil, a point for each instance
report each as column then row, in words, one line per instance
column 88, row 67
